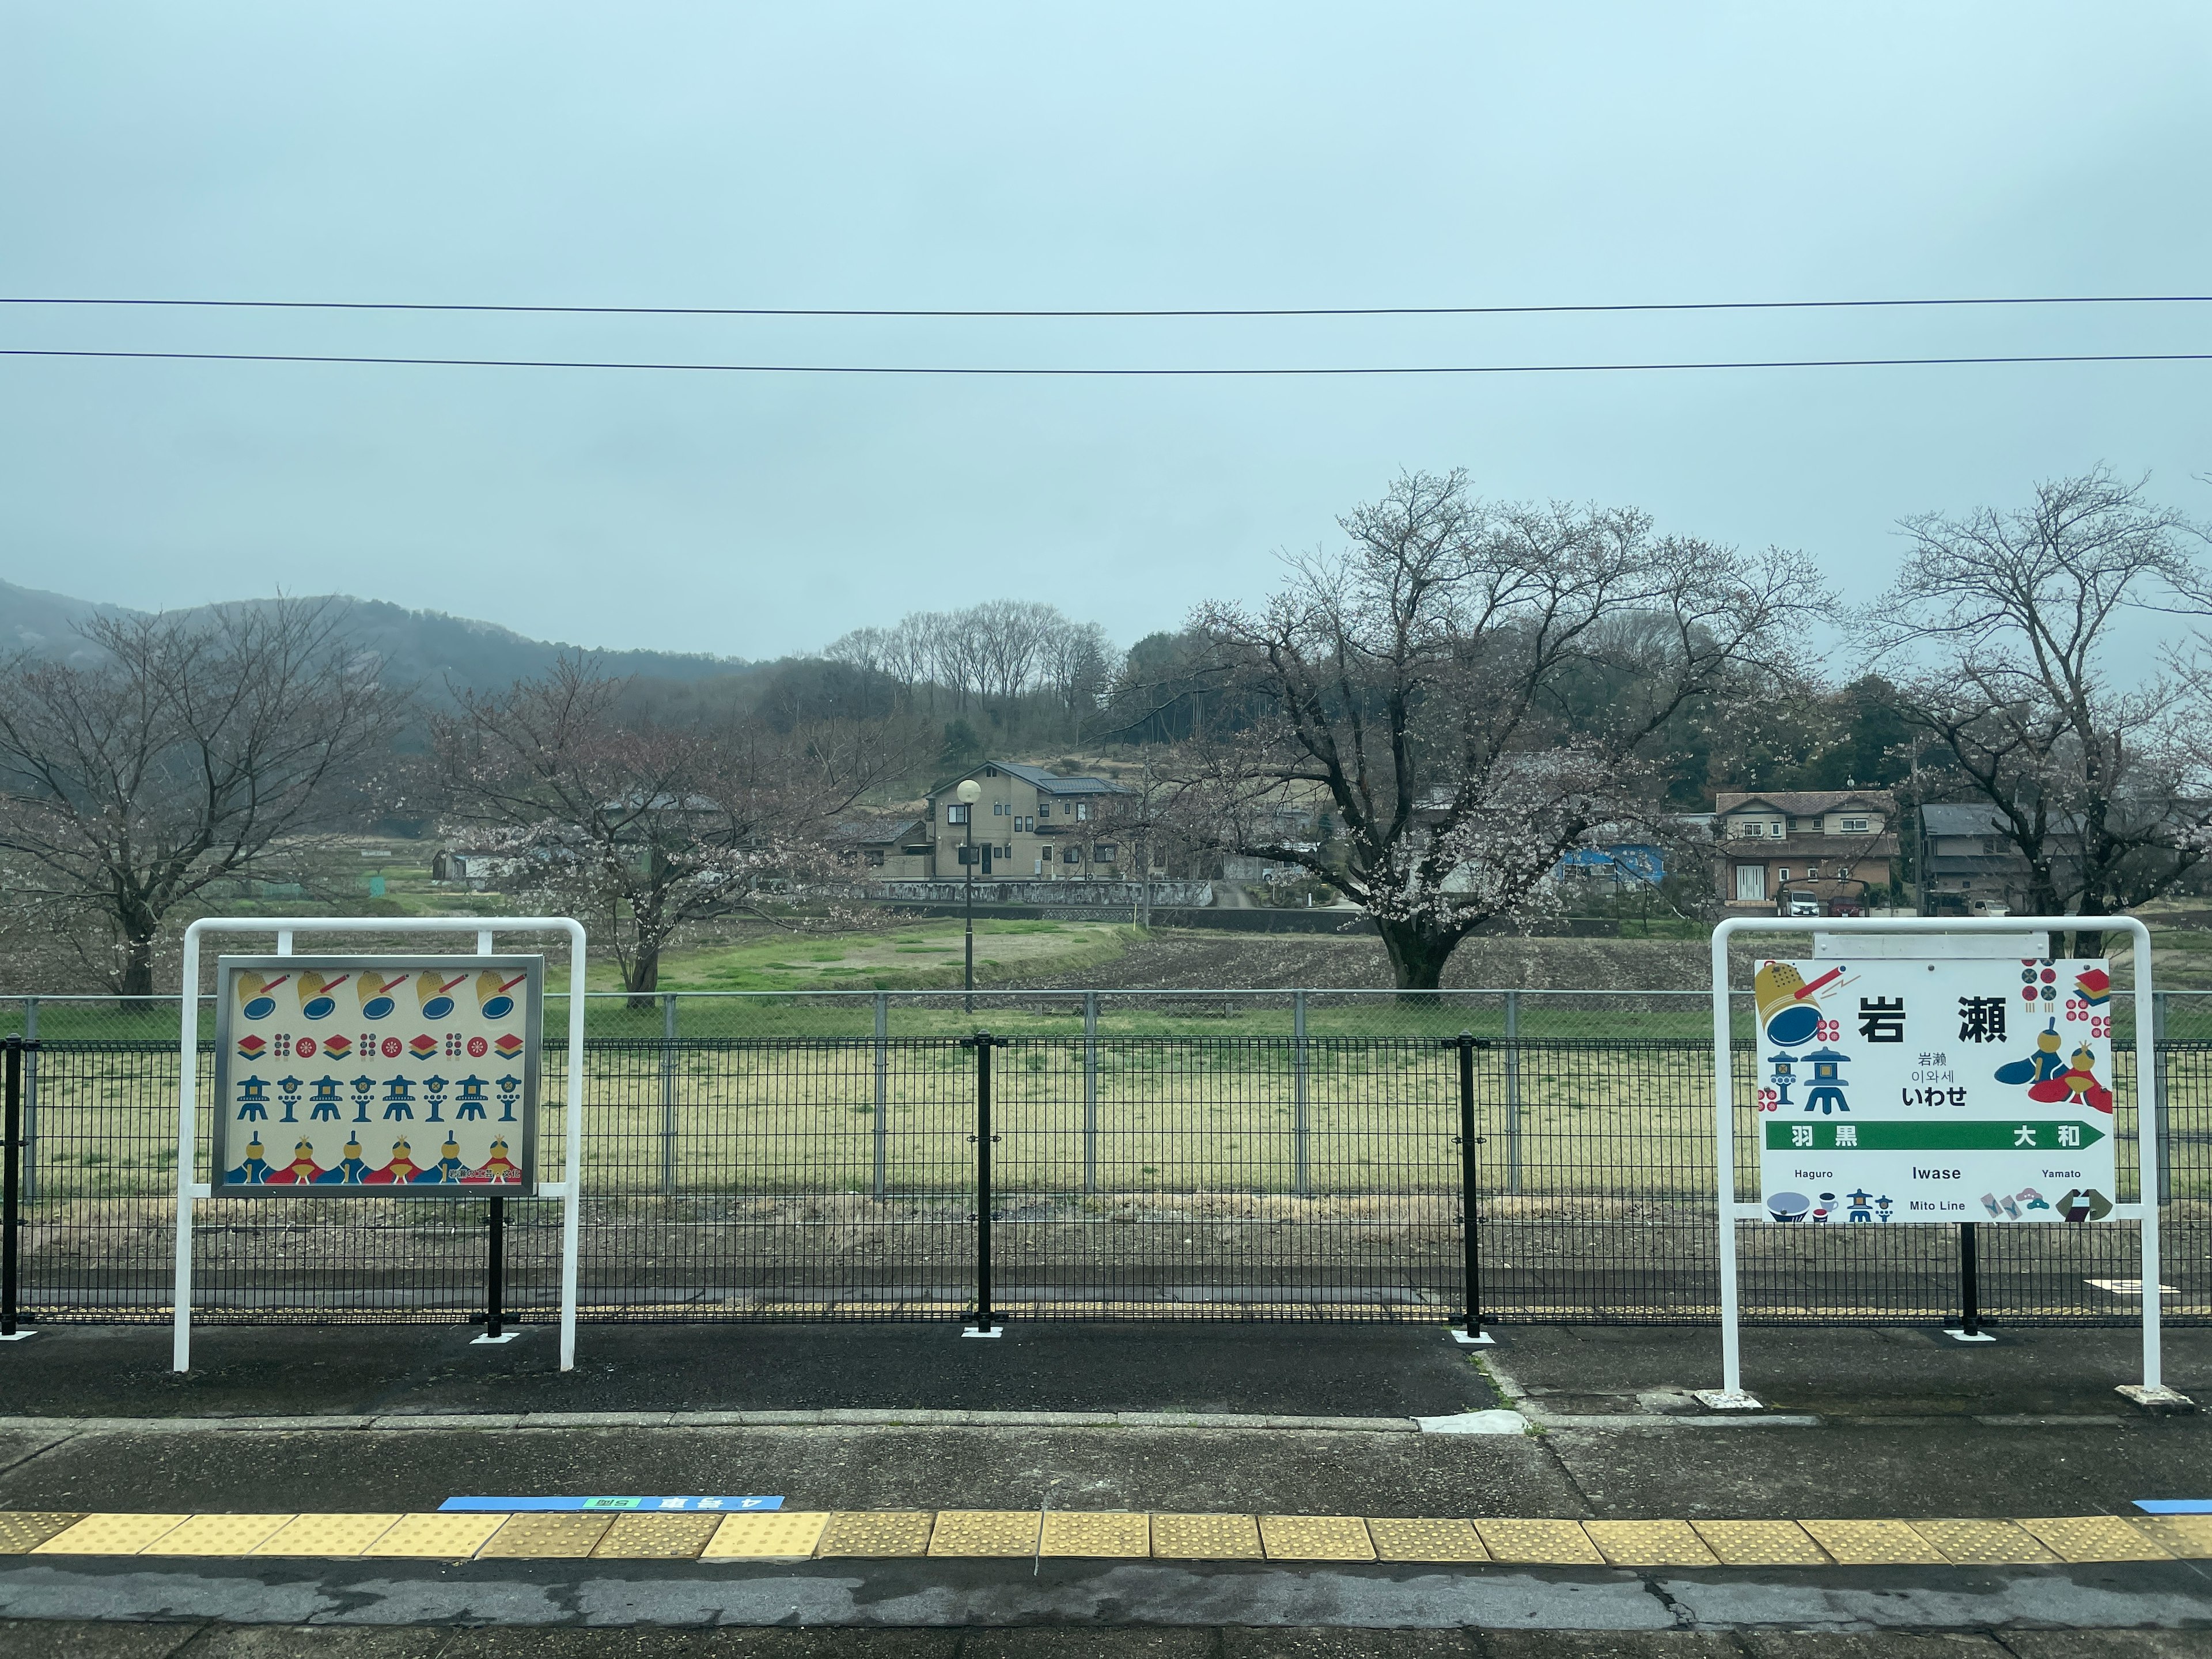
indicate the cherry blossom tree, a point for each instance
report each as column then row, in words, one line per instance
column 649, row 828
column 1467, row 690
column 181, row 750
column 2005, row 627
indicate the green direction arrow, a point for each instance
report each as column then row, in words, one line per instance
column 1929, row 1135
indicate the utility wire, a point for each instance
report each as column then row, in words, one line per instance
column 1224, row 310
column 1116, row 373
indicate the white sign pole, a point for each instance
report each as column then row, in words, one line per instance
column 567, row 1189
column 188, row 1090
column 572, row 1150
column 2149, row 1109
column 2152, row 1393
column 1731, row 1396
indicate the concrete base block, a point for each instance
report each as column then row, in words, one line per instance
column 1725, row 1399
column 2159, row 1402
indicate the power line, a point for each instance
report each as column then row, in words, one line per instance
column 1217, row 312
column 1121, row 373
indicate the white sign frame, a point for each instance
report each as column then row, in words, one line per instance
column 567, row 1189
column 1730, row 1395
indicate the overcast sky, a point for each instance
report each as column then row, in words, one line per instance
column 1027, row 156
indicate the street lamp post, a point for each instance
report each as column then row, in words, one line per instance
column 969, row 792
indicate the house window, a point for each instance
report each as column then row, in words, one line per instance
column 957, row 813
column 1783, row 873
column 1750, row 881
column 1754, row 827
column 1044, row 809
column 1104, row 852
column 1072, row 855
column 1854, row 826
column 921, row 852
column 876, row 859
column 999, row 808
column 1083, row 809
column 1027, row 826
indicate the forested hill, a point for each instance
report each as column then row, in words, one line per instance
column 424, row 647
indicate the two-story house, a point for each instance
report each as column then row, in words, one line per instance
column 1028, row 823
column 1827, row 847
column 1968, row 866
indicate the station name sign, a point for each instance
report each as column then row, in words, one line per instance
column 1911, row 1090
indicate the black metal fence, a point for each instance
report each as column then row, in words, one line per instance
column 1230, row 1172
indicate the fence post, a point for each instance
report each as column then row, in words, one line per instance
column 11, row 1176
column 495, row 1268
column 667, row 1095
column 882, row 1065
column 30, row 1100
column 1470, row 1331
column 1970, row 1285
column 1300, row 1146
column 1091, row 1091
column 2165, row 1074
column 982, row 1042
column 1513, row 1093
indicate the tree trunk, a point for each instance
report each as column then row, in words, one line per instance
column 140, row 929
column 1417, row 951
column 644, row 976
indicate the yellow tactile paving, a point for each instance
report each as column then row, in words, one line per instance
column 1123, row 1535
column 329, row 1534
column 881, row 1532
column 985, row 1532
column 21, row 1530
column 657, row 1537
column 2094, row 1538
column 2188, row 1536
column 1315, row 1538
column 1206, row 1538
column 766, row 1536
column 1403, row 1540
column 541, row 1536
column 1110, row 1535
column 1760, row 1544
column 433, row 1536
column 110, row 1535
column 1984, row 1543
column 1649, row 1544
column 1538, row 1543
column 218, row 1534
column 1875, row 1544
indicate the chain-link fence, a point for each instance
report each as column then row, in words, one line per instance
column 1158, row 1155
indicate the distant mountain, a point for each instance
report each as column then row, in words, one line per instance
column 425, row 646
column 31, row 620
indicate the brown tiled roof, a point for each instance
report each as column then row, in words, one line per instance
column 1804, row 803
column 1744, row 849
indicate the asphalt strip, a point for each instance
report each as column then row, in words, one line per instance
column 946, row 1594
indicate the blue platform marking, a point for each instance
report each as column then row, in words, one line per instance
column 658, row 1505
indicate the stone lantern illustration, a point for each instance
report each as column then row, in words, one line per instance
column 1827, row 1090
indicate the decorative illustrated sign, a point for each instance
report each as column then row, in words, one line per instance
column 1896, row 1089
column 363, row 1077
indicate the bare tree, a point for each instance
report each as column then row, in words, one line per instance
column 1078, row 666
column 2094, row 767
column 1472, row 689
column 650, row 828
column 185, row 750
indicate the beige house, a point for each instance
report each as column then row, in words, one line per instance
column 1029, row 825
column 1783, row 849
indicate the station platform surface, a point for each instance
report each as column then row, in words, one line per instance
column 1305, row 1448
